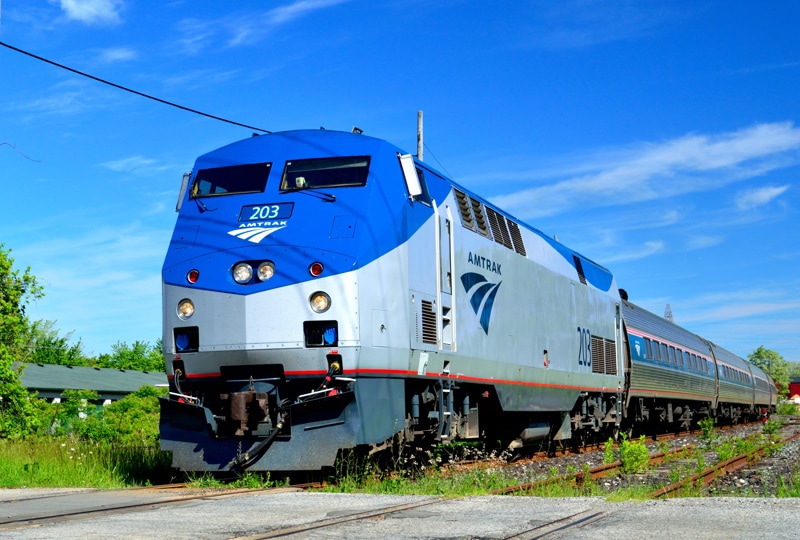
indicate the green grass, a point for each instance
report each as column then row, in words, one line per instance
column 789, row 487
column 247, row 479
column 787, row 408
column 447, row 481
column 67, row 462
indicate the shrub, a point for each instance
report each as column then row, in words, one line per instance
column 787, row 408
column 634, row 456
column 608, row 452
column 708, row 435
column 133, row 420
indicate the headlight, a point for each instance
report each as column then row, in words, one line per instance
column 266, row 270
column 320, row 302
column 185, row 309
column 242, row 273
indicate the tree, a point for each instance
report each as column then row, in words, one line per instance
column 18, row 415
column 773, row 364
column 46, row 346
column 794, row 370
column 140, row 356
column 133, row 420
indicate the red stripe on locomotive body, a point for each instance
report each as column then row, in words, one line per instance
column 408, row 373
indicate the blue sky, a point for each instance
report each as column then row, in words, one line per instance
column 661, row 139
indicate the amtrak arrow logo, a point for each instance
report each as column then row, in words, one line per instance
column 254, row 234
column 481, row 295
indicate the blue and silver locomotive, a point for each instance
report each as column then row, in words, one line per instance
column 325, row 291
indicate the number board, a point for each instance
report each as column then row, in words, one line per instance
column 260, row 212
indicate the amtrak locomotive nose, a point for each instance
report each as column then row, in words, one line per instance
column 262, row 314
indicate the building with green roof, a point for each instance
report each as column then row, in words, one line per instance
column 49, row 380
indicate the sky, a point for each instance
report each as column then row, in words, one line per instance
column 660, row 139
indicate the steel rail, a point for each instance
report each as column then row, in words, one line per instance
column 331, row 522
column 704, row 478
column 601, row 471
column 11, row 523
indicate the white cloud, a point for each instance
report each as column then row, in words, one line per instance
column 581, row 23
column 241, row 29
column 136, row 165
column 63, row 101
column 93, row 11
column 751, row 199
column 117, row 54
column 253, row 28
column 649, row 248
column 741, row 303
column 692, row 163
column 749, row 309
column 702, row 242
column 202, row 78
column 105, row 290
column 196, row 34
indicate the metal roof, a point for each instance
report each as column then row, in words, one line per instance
column 51, row 380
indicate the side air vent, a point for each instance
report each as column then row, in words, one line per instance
column 604, row 356
column 516, row 237
column 499, row 229
column 428, row 323
column 611, row 356
column 480, row 218
column 579, row 268
column 463, row 208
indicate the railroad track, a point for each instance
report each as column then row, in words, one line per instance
column 701, row 479
column 592, row 474
column 707, row 476
column 43, row 509
column 327, row 526
column 20, row 513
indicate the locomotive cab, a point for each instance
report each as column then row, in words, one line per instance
column 263, row 299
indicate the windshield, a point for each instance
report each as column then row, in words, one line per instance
column 251, row 178
column 325, row 173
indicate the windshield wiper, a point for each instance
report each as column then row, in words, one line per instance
column 202, row 206
column 327, row 197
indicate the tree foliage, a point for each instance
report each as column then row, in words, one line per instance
column 17, row 412
column 47, row 346
column 140, row 356
column 128, row 420
column 773, row 364
column 132, row 421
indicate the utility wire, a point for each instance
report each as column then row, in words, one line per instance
column 437, row 160
column 120, row 87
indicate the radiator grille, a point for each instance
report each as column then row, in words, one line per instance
column 482, row 219
column 516, row 237
column 604, row 356
column 428, row 323
column 499, row 229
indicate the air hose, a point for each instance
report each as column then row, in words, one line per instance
column 246, row 460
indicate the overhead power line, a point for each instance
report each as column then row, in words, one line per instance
column 132, row 91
